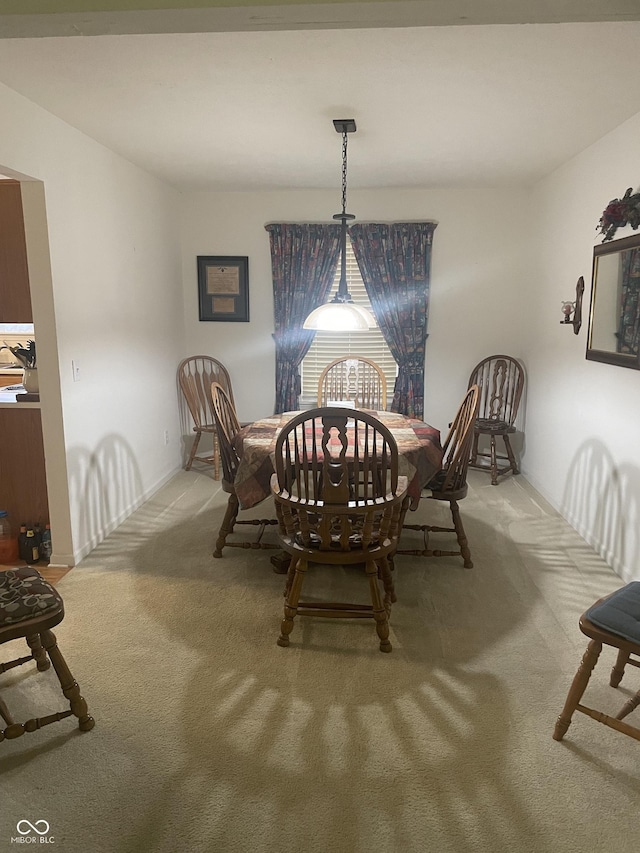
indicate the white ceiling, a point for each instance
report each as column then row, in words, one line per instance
column 465, row 106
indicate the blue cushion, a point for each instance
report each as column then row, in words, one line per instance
column 620, row 613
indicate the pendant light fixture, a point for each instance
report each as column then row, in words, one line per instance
column 341, row 314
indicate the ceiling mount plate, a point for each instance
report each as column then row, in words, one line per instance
column 345, row 125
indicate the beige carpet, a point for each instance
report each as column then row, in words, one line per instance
column 209, row 737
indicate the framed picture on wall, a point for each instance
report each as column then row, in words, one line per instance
column 223, row 288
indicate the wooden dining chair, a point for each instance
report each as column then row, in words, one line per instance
column 450, row 483
column 500, row 379
column 228, row 426
column 612, row 621
column 29, row 608
column 353, row 379
column 195, row 375
column 328, row 517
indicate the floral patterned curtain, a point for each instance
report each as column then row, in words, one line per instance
column 395, row 263
column 304, row 259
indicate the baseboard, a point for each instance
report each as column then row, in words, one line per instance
column 623, row 571
column 81, row 553
column 62, row 561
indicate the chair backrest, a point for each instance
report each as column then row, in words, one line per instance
column 195, row 375
column 456, row 451
column 353, row 379
column 336, row 478
column 227, row 427
column 335, row 455
column 500, row 379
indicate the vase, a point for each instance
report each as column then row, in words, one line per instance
column 30, row 380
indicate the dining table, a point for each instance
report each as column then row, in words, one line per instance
column 419, row 454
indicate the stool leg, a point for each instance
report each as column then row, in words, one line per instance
column 578, row 686
column 618, row 668
column 39, row 655
column 67, row 682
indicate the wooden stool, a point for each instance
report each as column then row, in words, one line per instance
column 612, row 621
column 29, row 608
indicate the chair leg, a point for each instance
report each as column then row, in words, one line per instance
column 291, row 573
column 67, row 682
column 39, row 655
column 629, row 706
column 618, row 668
column 494, row 462
column 291, row 601
column 390, row 596
column 474, row 450
column 227, row 524
column 379, row 610
column 6, row 716
column 511, row 455
column 578, row 686
column 194, row 447
column 461, row 535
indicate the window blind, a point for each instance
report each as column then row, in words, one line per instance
column 327, row 346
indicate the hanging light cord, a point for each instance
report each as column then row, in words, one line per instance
column 344, row 172
column 349, row 316
column 343, row 294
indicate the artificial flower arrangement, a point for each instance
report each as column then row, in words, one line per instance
column 26, row 355
column 618, row 213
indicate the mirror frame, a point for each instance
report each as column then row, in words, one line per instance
column 618, row 358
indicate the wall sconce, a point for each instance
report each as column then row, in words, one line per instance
column 574, row 308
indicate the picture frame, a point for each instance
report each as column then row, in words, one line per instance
column 223, row 288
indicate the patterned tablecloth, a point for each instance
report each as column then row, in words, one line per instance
column 419, row 454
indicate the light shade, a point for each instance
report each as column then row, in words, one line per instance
column 340, row 317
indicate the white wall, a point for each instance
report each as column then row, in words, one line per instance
column 479, row 261
column 115, row 309
column 583, row 436
column 115, row 305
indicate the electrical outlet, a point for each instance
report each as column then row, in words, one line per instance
column 166, row 436
column 75, row 369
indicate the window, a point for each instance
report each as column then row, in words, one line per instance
column 329, row 345
column 16, row 328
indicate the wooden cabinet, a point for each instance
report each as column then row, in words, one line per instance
column 7, row 379
column 23, row 484
column 15, row 296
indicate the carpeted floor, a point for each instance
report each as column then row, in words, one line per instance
column 210, row 737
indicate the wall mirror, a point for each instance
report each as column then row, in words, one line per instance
column 614, row 318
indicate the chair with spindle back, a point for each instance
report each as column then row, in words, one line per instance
column 29, row 608
column 195, row 375
column 228, row 426
column 500, row 379
column 612, row 621
column 450, row 483
column 353, row 379
column 329, row 517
